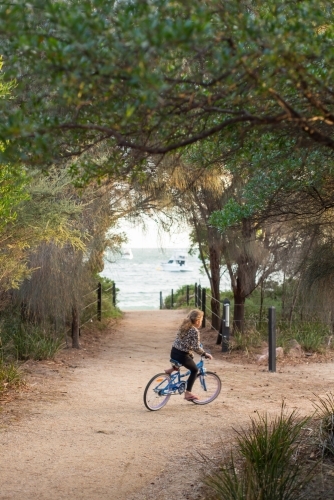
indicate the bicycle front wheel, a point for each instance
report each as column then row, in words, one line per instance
column 155, row 394
column 207, row 387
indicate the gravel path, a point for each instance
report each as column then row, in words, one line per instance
column 87, row 435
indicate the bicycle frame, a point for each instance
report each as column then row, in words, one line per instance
column 176, row 385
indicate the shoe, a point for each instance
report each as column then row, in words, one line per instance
column 191, row 397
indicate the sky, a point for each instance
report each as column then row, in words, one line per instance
column 153, row 237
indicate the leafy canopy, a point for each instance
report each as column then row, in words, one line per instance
column 155, row 76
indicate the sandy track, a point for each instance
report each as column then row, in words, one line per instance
column 94, row 439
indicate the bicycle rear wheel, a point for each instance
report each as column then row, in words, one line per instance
column 207, row 387
column 155, row 396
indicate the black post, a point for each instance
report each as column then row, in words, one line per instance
column 220, row 333
column 160, row 300
column 195, row 294
column 199, row 296
column 114, row 294
column 99, row 301
column 226, row 326
column 203, row 305
column 272, row 338
column 187, row 295
column 172, row 300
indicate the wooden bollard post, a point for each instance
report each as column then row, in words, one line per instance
column 203, row 305
column 272, row 338
column 99, row 301
column 114, row 294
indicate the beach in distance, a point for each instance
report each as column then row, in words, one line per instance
column 141, row 278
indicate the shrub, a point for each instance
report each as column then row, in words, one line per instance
column 266, row 464
column 23, row 341
column 108, row 310
column 324, row 413
column 245, row 341
column 180, row 298
column 33, row 342
column 10, row 376
column 312, row 336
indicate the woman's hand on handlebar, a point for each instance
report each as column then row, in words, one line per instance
column 207, row 356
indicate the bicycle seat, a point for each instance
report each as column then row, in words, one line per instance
column 175, row 363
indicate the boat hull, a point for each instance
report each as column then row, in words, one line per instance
column 176, row 268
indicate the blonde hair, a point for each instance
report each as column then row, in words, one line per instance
column 189, row 321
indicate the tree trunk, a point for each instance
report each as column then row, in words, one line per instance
column 239, row 308
column 214, row 242
column 75, row 328
column 261, row 302
column 294, row 301
column 247, row 266
column 215, row 258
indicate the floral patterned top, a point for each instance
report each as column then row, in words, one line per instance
column 189, row 341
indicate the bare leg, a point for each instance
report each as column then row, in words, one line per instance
column 170, row 370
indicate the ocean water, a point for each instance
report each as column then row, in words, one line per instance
column 141, row 279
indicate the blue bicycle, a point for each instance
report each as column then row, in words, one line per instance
column 162, row 386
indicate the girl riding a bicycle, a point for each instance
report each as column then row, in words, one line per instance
column 188, row 341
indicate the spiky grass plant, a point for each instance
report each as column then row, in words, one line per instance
column 266, row 463
column 34, row 342
column 312, row 337
column 22, row 341
column 324, row 413
column 246, row 342
column 10, row 376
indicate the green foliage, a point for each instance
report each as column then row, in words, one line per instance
column 22, row 341
column 265, row 463
column 246, row 342
column 252, row 305
column 180, row 298
column 13, row 178
column 272, row 169
column 312, row 337
column 324, row 414
column 10, row 376
column 108, row 310
column 53, row 210
column 48, row 214
column 130, row 74
column 13, row 191
column 33, row 342
column 6, row 87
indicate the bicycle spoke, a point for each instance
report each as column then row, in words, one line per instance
column 156, row 392
column 207, row 387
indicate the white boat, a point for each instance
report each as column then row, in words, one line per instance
column 127, row 253
column 177, row 263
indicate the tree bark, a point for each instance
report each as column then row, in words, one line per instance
column 261, row 301
column 75, row 328
column 245, row 282
column 215, row 263
column 239, row 308
column 214, row 243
